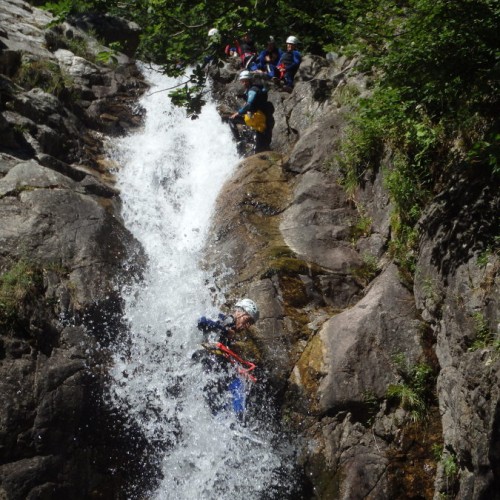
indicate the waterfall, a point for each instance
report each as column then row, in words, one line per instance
column 170, row 174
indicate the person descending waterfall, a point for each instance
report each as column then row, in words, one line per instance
column 257, row 113
column 232, row 371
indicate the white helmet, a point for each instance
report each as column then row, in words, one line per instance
column 213, row 32
column 245, row 75
column 250, row 307
column 293, row 40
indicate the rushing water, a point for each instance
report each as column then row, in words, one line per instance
column 170, row 175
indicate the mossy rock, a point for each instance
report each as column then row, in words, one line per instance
column 310, row 371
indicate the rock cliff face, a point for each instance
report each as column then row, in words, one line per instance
column 63, row 254
column 346, row 340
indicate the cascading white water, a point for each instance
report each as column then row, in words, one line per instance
column 170, row 175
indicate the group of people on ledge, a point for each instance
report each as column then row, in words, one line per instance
column 273, row 62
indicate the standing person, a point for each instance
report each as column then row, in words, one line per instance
column 219, row 356
column 289, row 62
column 255, row 101
column 213, row 45
column 268, row 59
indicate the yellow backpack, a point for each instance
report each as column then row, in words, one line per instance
column 256, row 120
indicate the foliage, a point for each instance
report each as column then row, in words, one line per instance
column 79, row 47
column 371, row 403
column 175, row 32
column 491, row 251
column 63, row 9
column 192, row 94
column 436, row 58
column 363, row 226
column 416, row 390
column 17, row 286
column 403, row 244
column 109, row 56
column 483, row 335
column 367, row 270
column 434, row 108
column 450, row 465
column 43, row 74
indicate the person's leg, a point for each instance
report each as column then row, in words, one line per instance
column 237, row 389
column 289, row 78
column 263, row 140
column 268, row 133
column 233, row 125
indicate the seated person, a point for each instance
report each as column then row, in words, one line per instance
column 245, row 49
column 268, row 59
column 289, row 62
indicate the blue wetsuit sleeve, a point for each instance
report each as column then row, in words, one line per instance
column 249, row 104
column 221, row 325
column 207, row 325
column 297, row 58
column 261, row 61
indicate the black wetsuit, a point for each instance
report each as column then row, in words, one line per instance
column 256, row 100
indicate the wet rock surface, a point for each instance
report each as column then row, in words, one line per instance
column 64, row 253
column 340, row 328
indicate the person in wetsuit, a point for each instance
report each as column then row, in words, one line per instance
column 289, row 62
column 255, row 100
column 227, row 384
column 268, row 59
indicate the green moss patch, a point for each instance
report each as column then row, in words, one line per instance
column 18, row 286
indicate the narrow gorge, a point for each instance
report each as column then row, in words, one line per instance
column 122, row 221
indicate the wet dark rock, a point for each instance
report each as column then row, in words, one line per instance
column 60, row 228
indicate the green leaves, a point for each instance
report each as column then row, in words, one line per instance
column 415, row 392
column 192, row 95
column 487, row 152
column 436, row 61
column 18, row 286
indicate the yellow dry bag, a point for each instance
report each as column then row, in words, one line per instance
column 256, row 120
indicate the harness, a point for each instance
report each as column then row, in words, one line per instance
column 260, row 99
column 243, row 367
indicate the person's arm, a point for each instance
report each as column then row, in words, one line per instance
column 252, row 94
column 221, row 325
column 296, row 61
column 261, row 61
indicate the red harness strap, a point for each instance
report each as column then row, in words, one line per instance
column 234, row 358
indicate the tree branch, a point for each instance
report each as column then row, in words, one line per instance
column 169, row 88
